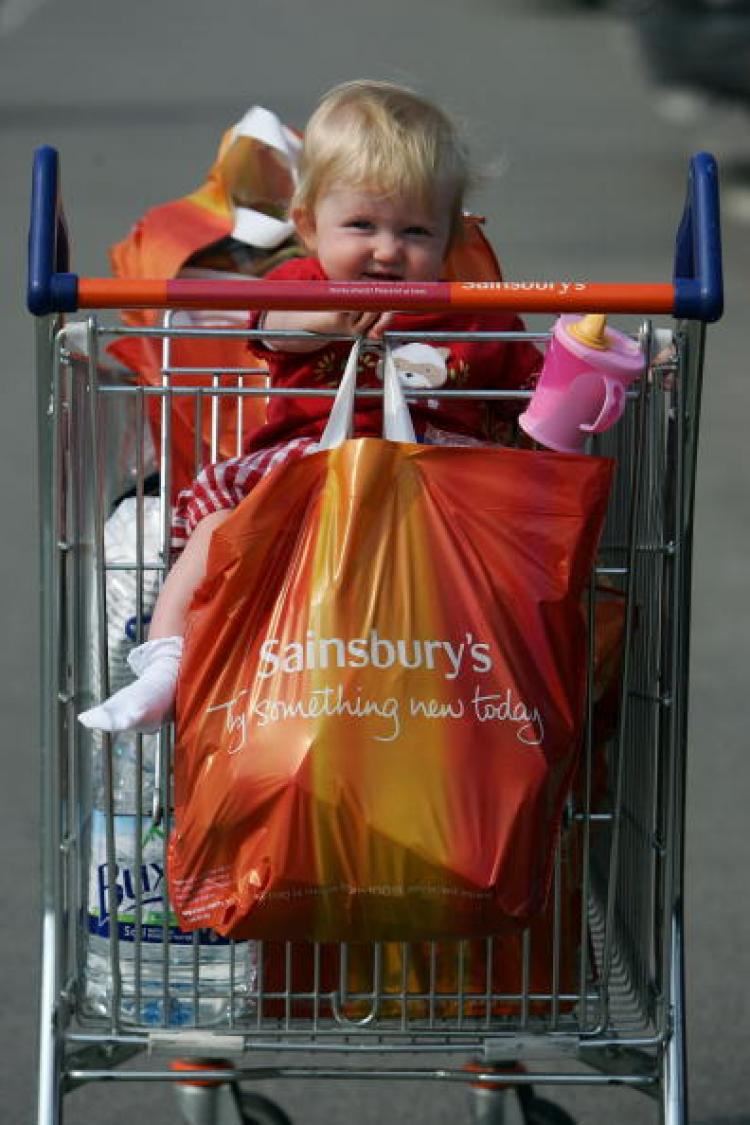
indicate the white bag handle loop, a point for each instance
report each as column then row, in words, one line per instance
column 397, row 424
column 340, row 424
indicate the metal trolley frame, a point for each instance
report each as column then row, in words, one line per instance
column 620, row 1017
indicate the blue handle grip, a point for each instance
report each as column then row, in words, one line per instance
column 699, row 288
column 50, row 287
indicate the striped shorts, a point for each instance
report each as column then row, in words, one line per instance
column 225, row 484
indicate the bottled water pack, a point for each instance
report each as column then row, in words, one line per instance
column 166, row 976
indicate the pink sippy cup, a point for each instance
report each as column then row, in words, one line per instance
column 583, row 383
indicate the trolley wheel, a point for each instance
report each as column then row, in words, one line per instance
column 258, row 1110
column 539, row 1111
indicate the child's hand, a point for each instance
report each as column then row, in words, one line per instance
column 665, row 363
column 330, row 322
column 351, row 323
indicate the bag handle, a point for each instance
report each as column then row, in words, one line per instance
column 397, row 424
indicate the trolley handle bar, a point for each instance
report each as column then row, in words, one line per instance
column 696, row 291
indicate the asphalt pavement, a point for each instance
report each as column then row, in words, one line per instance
column 583, row 179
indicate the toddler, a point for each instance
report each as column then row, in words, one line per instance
column 383, row 176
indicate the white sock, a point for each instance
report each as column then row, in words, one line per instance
column 146, row 703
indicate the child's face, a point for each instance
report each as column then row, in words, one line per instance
column 362, row 236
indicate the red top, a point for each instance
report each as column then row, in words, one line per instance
column 496, row 364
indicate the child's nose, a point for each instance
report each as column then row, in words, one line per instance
column 387, row 247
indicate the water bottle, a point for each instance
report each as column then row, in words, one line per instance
column 166, row 976
column 123, row 579
column 208, row 979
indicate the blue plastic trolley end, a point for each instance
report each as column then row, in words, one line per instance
column 698, row 282
column 50, row 287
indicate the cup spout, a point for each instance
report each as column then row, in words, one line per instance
column 591, row 331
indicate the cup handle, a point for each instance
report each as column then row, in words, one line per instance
column 612, row 408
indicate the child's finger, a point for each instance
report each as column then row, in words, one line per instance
column 362, row 322
column 380, row 325
column 664, row 362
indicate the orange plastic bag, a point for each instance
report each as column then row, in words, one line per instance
column 382, row 692
column 324, row 788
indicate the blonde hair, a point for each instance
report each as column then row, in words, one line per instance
column 387, row 138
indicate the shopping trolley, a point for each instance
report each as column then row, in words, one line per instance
column 591, row 996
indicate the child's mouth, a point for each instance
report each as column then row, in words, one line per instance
column 373, row 275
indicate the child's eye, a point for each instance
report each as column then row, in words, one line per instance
column 418, row 232
column 359, row 224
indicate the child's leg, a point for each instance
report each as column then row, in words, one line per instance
column 146, row 703
column 170, row 611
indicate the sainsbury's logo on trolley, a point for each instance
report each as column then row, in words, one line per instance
column 559, row 288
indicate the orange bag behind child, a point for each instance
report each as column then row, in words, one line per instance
column 382, row 692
